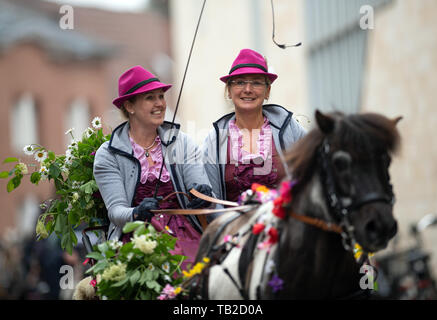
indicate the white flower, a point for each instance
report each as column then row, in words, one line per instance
column 65, row 170
column 88, row 132
column 150, row 267
column 130, row 255
column 166, row 267
column 114, row 245
column 141, row 242
column 68, row 159
column 76, row 184
column 72, row 145
column 28, row 150
column 75, row 196
column 40, row 155
column 22, row 167
column 69, row 131
column 97, row 123
column 68, row 153
column 44, row 172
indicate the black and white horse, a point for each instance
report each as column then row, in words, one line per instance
column 342, row 196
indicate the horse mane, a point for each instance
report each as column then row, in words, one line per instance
column 362, row 135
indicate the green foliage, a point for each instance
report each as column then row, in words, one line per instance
column 77, row 197
column 136, row 270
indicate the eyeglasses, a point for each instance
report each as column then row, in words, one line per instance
column 240, row 84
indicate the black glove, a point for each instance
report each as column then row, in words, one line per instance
column 141, row 212
column 197, row 202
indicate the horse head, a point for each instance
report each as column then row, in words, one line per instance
column 351, row 155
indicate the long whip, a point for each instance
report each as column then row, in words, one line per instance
column 179, row 96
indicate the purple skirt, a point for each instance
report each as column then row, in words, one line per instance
column 178, row 226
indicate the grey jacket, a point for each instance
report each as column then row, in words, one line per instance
column 285, row 130
column 117, row 172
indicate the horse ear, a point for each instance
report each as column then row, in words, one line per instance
column 325, row 122
column 397, row 119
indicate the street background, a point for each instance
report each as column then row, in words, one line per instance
column 53, row 79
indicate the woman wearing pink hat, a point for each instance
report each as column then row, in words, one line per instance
column 127, row 167
column 246, row 146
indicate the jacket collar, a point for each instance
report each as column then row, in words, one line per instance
column 278, row 117
column 120, row 142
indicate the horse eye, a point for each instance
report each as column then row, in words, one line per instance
column 341, row 161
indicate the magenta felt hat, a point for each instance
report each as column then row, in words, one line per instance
column 137, row 80
column 249, row 62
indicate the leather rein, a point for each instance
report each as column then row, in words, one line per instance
column 234, row 206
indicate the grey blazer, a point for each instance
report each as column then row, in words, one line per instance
column 117, row 172
column 285, row 130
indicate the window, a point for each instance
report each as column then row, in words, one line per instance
column 77, row 117
column 24, row 123
column 336, row 53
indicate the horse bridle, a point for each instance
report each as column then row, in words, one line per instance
column 338, row 208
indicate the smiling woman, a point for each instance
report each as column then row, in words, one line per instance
column 128, row 167
column 247, row 145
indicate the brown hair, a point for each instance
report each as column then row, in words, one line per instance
column 132, row 100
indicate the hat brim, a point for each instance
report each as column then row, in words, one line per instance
column 242, row 71
column 150, row 87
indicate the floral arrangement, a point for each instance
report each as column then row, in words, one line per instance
column 77, row 198
column 143, row 268
column 170, row 292
column 267, row 225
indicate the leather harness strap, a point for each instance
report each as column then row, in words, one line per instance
column 213, row 200
column 326, row 226
column 318, row 223
column 200, row 211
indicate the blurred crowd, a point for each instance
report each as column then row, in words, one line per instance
column 30, row 269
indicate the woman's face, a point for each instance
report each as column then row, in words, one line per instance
column 248, row 92
column 148, row 108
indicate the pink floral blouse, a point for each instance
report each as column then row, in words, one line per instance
column 264, row 142
column 150, row 173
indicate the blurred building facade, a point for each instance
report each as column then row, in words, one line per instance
column 53, row 79
column 385, row 64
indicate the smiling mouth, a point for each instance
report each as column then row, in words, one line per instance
column 248, row 99
column 157, row 112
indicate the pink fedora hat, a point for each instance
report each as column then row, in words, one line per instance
column 249, row 62
column 137, row 80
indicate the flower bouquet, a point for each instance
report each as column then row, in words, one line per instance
column 78, row 199
column 142, row 269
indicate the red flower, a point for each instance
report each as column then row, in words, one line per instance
column 93, row 282
column 278, row 209
column 86, row 261
column 255, row 186
column 258, row 228
column 273, row 234
column 286, row 191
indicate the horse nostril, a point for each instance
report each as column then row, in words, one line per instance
column 371, row 230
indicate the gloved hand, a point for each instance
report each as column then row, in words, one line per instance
column 142, row 213
column 197, row 203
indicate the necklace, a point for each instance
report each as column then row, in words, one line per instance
column 148, row 148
